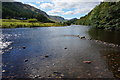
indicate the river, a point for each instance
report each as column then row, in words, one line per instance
column 59, row 52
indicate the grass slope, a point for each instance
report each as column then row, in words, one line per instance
column 13, row 23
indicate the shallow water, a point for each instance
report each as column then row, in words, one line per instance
column 59, row 52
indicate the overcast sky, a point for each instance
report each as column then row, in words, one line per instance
column 65, row 8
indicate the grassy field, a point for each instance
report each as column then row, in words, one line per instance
column 13, row 23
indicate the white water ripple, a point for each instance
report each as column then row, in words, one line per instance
column 4, row 44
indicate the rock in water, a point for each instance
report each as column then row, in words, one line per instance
column 119, row 69
column 65, row 48
column 24, row 47
column 26, row 60
column 83, row 37
column 37, row 76
column 3, row 70
column 56, row 75
column 117, row 75
column 88, row 62
column 46, row 56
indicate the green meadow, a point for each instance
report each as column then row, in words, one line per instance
column 14, row 23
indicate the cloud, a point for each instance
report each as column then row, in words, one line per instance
column 68, row 13
column 71, row 4
column 66, row 0
column 69, row 1
column 7, row 0
column 78, row 8
column 85, row 8
column 31, row 0
column 56, row 11
column 65, row 7
column 38, row 2
column 82, row 11
column 46, row 5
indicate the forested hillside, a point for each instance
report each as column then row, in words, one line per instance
column 105, row 16
column 19, row 10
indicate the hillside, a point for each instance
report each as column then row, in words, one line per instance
column 57, row 18
column 71, row 21
column 104, row 16
column 19, row 10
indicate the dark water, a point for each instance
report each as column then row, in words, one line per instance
column 58, row 52
column 105, row 35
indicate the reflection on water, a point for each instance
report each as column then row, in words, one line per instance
column 105, row 35
column 112, row 54
column 59, row 52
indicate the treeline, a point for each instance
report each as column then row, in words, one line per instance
column 104, row 16
column 71, row 21
column 17, row 10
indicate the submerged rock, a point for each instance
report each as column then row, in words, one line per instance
column 3, row 70
column 56, row 75
column 26, row 60
column 119, row 69
column 24, row 47
column 46, row 56
column 37, row 76
column 83, row 37
column 65, row 48
column 117, row 75
column 88, row 62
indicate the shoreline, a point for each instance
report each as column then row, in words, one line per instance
column 32, row 27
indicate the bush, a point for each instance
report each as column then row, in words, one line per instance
column 32, row 20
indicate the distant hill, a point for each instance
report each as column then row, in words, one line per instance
column 57, row 18
column 105, row 16
column 71, row 21
column 19, row 10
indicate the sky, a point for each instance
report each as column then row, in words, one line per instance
column 65, row 8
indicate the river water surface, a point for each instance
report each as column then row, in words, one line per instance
column 58, row 52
